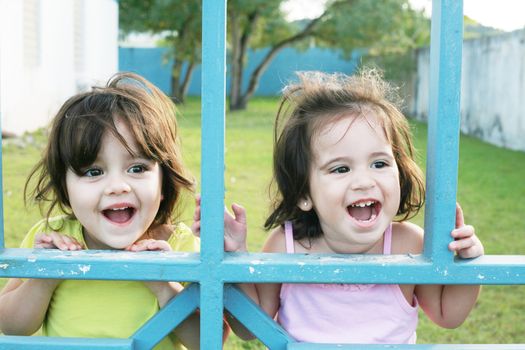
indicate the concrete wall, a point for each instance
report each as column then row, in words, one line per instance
column 150, row 63
column 50, row 50
column 492, row 89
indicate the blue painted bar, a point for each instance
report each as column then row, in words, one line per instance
column 443, row 127
column 256, row 320
column 213, row 128
column 308, row 346
column 212, row 169
column 261, row 267
column 100, row 265
column 54, row 343
column 390, row 269
column 169, row 317
column 212, row 297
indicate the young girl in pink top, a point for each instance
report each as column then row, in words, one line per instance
column 347, row 183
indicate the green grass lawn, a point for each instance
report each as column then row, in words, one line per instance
column 491, row 191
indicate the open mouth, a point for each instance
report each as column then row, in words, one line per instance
column 119, row 215
column 364, row 211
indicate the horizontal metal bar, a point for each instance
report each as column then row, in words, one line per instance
column 261, row 267
column 307, row 346
column 55, row 343
column 399, row 269
column 99, row 265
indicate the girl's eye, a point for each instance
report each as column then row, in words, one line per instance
column 379, row 164
column 340, row 170
column 92, row 172
column 137, row 169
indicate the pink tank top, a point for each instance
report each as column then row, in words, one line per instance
column 347, row 313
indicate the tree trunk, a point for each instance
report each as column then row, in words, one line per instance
column 240, row 39
column 175, row 81
column 186, row 82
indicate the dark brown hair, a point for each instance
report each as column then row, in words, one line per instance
column 76, row 134
column 319, row 98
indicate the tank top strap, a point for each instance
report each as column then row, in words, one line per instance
column 387, row 240
column 288, row 236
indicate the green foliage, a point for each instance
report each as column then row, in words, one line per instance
column 178, row 21
column 490, row 186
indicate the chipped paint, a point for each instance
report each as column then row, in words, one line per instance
column 4, row 266
column 251, row 269
column 481, row 277
column 31, row 258
column 84, row 268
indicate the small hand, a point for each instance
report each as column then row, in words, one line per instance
column 55, row 240
column 149, row 245
column 466, row 244
column 235, row 230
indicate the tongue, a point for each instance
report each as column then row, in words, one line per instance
column 119, row 216
column 361, row 213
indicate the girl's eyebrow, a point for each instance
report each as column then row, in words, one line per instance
column 381, row 154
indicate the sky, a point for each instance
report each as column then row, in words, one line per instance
column 502, row 14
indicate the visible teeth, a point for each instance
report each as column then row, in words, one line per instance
column 118, row 209
column 363, row 204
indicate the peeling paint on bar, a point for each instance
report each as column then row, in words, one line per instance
column 84, row 268
column 4, row 266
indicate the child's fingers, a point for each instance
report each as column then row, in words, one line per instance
column 196, row 228
column 42, row 240
column 159, row 245
column 59, row 241
column 70, row 243
column 240, row 213
column 139, row 246
column 149, row 245
column 197, row 213
column 463, row 232
column 460, row 220
column 461, row 244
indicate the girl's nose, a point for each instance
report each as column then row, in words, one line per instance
column 117, row 185
column 361, row 181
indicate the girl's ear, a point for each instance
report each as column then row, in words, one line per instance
column 305, row 203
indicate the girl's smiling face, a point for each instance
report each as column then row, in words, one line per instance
column 117, row 197
column 354, row 182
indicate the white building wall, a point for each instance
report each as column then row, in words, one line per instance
column 74, row 46
column 492, row 89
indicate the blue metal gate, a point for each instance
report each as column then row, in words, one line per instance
column 214, row 271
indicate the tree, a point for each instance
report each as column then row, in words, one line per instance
column 179, row 23
column 381, row 26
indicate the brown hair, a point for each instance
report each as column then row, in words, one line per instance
column 76, row 133
column 316, row 99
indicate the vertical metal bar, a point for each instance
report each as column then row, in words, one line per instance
column 443, row 127
column 213, row 126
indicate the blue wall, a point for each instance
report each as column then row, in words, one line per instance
column 150, row 63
